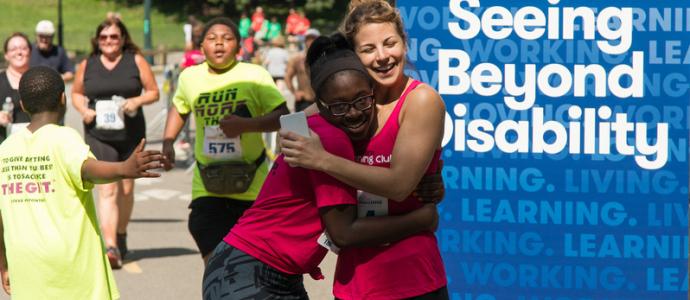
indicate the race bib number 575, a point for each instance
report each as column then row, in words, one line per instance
column 218, row 146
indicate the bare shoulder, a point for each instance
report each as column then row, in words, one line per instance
column 426, row 98
column 82, row 65
column 140, row 61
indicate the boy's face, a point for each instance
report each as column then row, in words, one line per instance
column 220, row 46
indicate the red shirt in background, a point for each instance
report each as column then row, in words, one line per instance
column 291, row 23
column 302, row 25
column 257, row 21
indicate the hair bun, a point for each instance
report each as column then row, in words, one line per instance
column 325, row 45
column 355, row 3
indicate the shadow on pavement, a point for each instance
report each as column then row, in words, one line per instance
column 139, row 254
column 157, row 220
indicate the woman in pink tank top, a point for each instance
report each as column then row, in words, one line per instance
column 405, row 147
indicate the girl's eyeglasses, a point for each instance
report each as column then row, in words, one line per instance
column 341, row 108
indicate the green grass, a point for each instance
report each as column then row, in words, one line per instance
column 80, row 19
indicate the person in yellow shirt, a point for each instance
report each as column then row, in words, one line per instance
column 51, row 246
column 232, row 103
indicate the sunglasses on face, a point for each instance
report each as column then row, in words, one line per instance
column 104, row 37
column 341, row 108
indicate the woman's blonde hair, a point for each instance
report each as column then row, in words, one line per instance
column 371, row 11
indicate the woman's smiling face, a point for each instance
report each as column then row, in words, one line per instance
column 382, row 51
column 110, row 40
column 18, row 52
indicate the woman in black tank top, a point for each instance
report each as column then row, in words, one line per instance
column 107, row 92
column 17, row 54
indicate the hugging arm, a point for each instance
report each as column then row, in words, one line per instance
column 233, row 125
column 346, row 230
column 420, row 134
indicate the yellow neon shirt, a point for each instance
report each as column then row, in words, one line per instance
column 52, row 238
column 210, row 97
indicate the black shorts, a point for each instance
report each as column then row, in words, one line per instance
column 112, row 151
column 233, row 274
column 212, row 218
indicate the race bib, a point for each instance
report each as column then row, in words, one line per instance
column 325, row 242
column 370, row 205
column 109, row 115
column 218, row 146
column 16, row 127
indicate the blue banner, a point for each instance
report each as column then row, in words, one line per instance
column 565, row 145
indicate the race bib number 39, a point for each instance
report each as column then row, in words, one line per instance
column 109, row 115
column 218, row 146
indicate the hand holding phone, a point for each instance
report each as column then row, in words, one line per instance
column 295, row 122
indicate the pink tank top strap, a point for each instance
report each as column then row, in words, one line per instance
column 398, row 106
column 390, row 128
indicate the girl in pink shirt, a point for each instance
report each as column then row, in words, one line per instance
column 278, row 239
column 405, row 146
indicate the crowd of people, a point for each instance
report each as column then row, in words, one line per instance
column 257, row 223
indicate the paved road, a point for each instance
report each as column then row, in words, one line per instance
column 164, row 262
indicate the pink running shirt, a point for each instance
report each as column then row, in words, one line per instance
column 407, row 268
column 282, row 226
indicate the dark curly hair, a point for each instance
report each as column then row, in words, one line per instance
column 41, row 89
column 329, row 55
column 223, row 21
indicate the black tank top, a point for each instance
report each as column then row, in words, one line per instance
column 18, row 115
column 102, row 84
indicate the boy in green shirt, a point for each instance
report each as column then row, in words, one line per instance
column 51, row 246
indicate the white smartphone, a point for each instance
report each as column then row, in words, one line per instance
column 295, row 122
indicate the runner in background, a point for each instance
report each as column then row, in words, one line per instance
column 302, row 25
column 232, row 102
column 248, row 47
column 50, row 245
column 244, row 25
column 275, row 60
column 274, row 29
column 297, row 77
column 290, row 24
column 45, row 53
column 188, row 29
column 193, row 55
column 107, row 92
column 258, row 24
column 17, row 55
column 405, row 147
